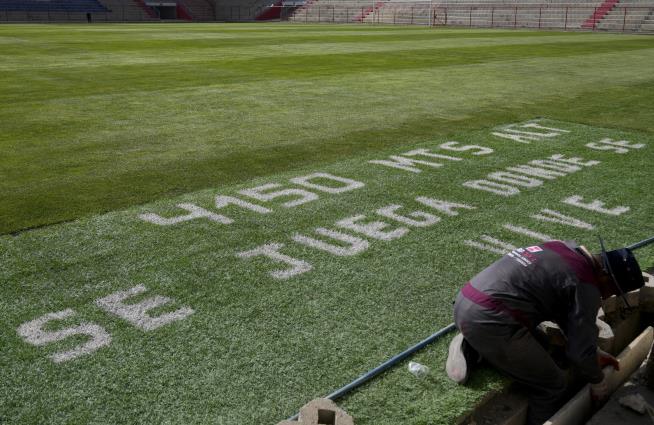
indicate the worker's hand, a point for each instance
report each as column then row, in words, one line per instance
column 599, row 392
column 605, row 359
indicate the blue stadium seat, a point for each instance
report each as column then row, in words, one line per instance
column 52, row 5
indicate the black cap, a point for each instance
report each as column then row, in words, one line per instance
column 624, row 268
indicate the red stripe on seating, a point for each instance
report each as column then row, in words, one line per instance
column 600, row 13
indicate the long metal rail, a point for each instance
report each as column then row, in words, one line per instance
column 641, row 244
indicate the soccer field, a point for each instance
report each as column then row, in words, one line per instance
column 218, row 223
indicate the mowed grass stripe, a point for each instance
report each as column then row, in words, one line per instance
column 225, row 70
column 57, row 47
column 480, row 85
column 276, row 138
column 111, row 41
column 263, row 31
column 140, row 52
column 77, row 139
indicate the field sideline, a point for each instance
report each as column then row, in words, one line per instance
column 225, row 174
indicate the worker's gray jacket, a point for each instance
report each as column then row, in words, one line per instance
column 548, row 282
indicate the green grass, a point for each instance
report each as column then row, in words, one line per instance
column 257, row 348
column 138, row 118
column 87, row 110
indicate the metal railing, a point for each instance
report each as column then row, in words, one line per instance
column 546, row 16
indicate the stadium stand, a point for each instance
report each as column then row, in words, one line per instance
column 629, row 15
column 52, row 5
column 339, row 11
column 610, row 15
column 603, row 15
column 599, row 13
column 101, row 10
column 45, row 10
column 200, row 10
column 274, row 12
column 128, row 11
column 648, row 23
column 240, row 11
column 523, row 14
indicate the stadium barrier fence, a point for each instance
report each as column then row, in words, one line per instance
column 622, row 18
column 546, row 16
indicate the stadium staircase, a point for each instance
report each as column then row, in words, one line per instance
column 368, row 11
column 599, row 13
column 306, row 5
column 629, row 15
column 301, row 13
column 243, row 10
column 182, row 12
column 269, row 13
column 342, row 11
column 147, row 9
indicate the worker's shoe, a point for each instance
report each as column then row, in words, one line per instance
column 460, row 359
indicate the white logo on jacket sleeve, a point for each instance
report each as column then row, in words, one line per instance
column 534, row 249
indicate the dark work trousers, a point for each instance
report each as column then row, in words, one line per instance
column 510, row 347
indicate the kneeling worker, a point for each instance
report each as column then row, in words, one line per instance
column 498, row 310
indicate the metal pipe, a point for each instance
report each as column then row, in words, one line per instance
column 386, row 365
column 641, row 243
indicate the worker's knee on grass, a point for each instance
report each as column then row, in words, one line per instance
column 456, row 366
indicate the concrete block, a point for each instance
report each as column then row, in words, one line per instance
column 606, row 338
column 646, row 299
column 614, row 305
column 553, row 333
column 626, row 329
column 643, row 298
column 556, row 337
column 321, row 411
